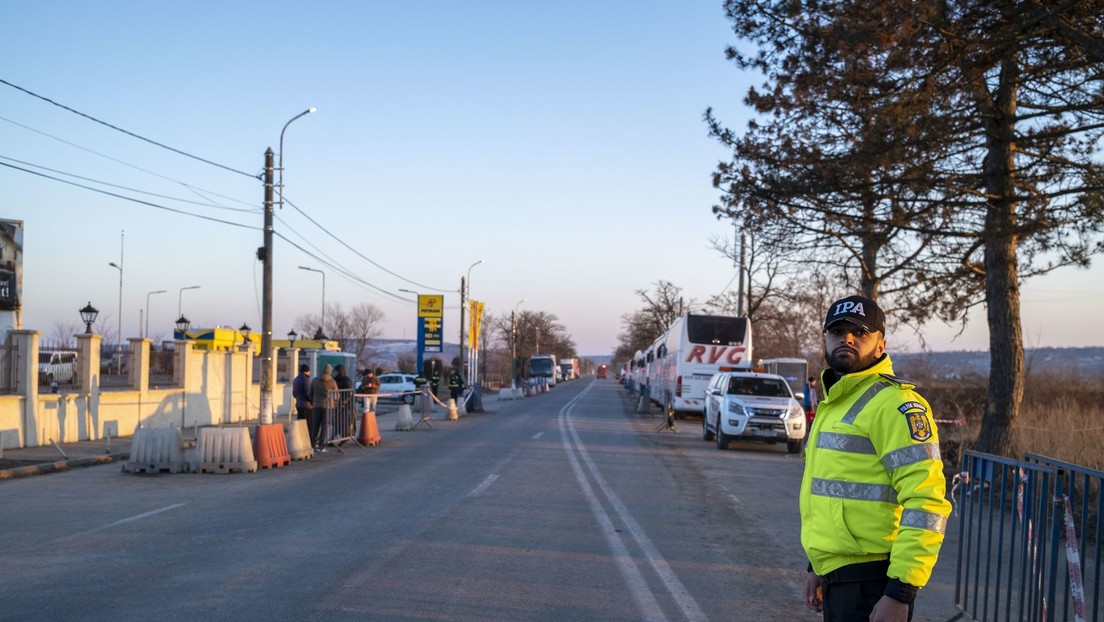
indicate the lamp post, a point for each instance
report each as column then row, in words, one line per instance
column 182, row 326
column 119, row 336
column 266, row 295
column 180, row 298
column 322, row 323
column 88, row 315
column 291, row 338
column 463, row 327
column 245, row 330
column 281, row 164
column 513, row 344
column 417, row 332
column 148, row 294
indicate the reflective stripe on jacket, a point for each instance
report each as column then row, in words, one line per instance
column 873, row 486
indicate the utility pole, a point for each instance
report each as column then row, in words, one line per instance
column 265, row 254
column 463, row 369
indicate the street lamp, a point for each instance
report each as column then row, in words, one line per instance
column 513, row 344
column 244, row 330
column 291, row 337
column 88, row 315
column 180, row 298
column 280, row 183
column 148, row 294
column 119, row 336
column 463, row 328
column 182, row 326
column 265, row 416
column 322, row 324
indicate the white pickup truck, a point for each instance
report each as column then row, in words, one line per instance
column 752, row 406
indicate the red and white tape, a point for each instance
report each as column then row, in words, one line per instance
column 1073, row 562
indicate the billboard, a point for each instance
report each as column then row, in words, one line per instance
column 11, row 265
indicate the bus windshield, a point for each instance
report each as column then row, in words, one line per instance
column 716, row 329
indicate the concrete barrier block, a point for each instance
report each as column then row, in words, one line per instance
column 156, row 450
column 405, row 421
column 298, row 440
column 225, row 450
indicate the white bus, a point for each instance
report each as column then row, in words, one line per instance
column 687, row 355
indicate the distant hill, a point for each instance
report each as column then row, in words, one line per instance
column 1082, row 362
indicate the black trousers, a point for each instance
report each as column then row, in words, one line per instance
column 851, row 592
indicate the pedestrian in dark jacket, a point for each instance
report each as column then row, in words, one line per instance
column 300, row 391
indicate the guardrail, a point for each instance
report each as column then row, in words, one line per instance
column 1019, row 552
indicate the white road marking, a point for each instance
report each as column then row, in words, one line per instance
column 636, row 584
column 480, row 489
column 537, row 435
column 127, row 520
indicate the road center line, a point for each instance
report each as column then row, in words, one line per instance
column 537, row 435
column 124, row 521
column 480, row 489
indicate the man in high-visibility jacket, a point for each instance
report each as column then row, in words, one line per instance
column 873, row 495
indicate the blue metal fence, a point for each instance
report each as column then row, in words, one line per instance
column 1014, row 539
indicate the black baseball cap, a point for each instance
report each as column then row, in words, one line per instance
column 858, row 310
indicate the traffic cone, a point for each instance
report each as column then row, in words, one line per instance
column 369, row 429
column 452, row 414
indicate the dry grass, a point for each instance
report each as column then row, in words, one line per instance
column 1062, row 418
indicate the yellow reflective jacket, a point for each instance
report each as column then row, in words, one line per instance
column 873, row 486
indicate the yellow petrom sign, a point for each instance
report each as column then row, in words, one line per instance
column 431, row 305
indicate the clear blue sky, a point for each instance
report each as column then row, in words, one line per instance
column 562, row 143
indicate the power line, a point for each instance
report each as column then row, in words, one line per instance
column 127, row 132
column 126, row 198
column 362, row 256
column 111, row 185
column 189, row 187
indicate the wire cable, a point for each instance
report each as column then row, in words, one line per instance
column 127, row 132
column 131, row 199
column 187, row 186
column 120, row 187
column 362, row 256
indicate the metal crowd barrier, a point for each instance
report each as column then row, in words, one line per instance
column 1021, row 554
column 340, row 423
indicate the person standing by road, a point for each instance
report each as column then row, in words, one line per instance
column 300, row 391
column 323, row 401
column 456, row 384
column 370, row 386
column 872, row 458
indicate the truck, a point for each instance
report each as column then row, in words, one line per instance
column 601, row 372
column 680, row 362
column 542, row 368
column 794, row 370
column 569, row 369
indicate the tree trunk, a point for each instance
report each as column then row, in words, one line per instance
column 1002, row 291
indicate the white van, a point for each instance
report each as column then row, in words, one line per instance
column 59, row 367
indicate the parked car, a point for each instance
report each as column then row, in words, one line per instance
column 752, row 406
column 110, row 363
column 59, row 367
column 397, row 386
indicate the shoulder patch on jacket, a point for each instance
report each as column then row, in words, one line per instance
column 900, row 383
column 919, row 423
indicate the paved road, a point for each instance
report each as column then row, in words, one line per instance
column 561, row 507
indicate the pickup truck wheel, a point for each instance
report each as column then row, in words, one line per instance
column 722, row 438
column 706, row 434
